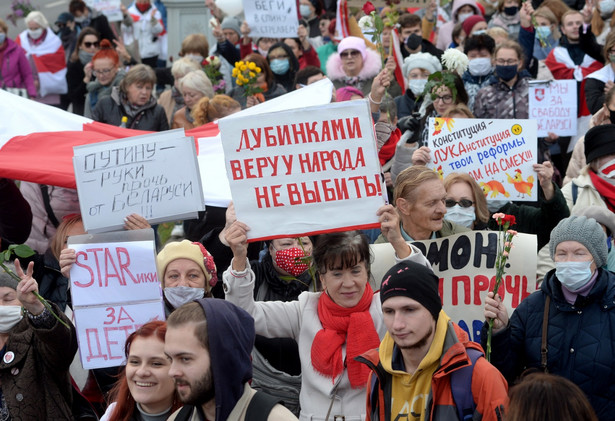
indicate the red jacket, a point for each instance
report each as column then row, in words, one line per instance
column 489, row 387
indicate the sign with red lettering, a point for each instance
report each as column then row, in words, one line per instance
column 498, row 154
column 465, row 264
column 553, row 104
column 114, row 289
column 304, row 171
column 154, row 175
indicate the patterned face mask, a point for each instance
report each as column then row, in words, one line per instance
column 291, row 260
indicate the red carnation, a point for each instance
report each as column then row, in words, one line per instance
column 368, row 8
column 510, row 219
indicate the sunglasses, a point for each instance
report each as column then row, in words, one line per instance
column 91, row 44
column 351, row 53
column 464, row 203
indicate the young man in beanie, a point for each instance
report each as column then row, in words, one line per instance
column 414, row 368
column 209, row 342
column 568, row 326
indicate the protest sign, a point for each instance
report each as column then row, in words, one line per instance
column 304, row 171
column 114, row 289
column 110, row 8
column 553, row 104
column 271, row 18
column 154, row 175
column 465, row 264
column 498, row 154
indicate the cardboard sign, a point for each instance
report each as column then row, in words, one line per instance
column 498, row 154
column 465, row 264
column 110, row 8
column 271, row 18
column 115, row 290
column 154, row 175
column 553, row 104
column 304, row 171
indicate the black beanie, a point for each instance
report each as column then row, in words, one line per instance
column 412, row 280
column 599, row 141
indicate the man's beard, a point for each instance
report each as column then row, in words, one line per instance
column 421, row 342
column 201, row 392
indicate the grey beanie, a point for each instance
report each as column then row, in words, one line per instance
column 230, row 22
column 585, row 231
column 7, row 280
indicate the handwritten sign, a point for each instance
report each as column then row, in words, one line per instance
column 271, row 18
column 304, row 171
column 553, row 104
column 110, row 8
column 465, row 264
column 154, row 175
column 498, row 154
column 114, row 289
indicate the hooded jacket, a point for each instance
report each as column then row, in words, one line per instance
column 150, row 116
column 580, row 339
column 445, row 33
column 15, row 71
column 489, row 387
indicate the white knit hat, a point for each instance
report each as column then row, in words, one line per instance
column 421, row 61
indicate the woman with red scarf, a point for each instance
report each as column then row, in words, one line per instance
column 331, row 327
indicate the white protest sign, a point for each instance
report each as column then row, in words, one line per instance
column 110, row 8
column 216, row 189
column 114, row 289
column 465, row 264
column 304, row 171
column 498, row 154
column 553, row 104
column 271, row 18
column 154, row 175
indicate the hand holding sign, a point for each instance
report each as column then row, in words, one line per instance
column 237, row 239
column 390, row 227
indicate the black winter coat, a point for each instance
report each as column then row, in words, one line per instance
column 580, row 341
column 151, row 116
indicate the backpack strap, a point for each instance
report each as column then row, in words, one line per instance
column 260, row 406
column 461, row 386
column 545, row 324
column 575, row 192
column 47, row 203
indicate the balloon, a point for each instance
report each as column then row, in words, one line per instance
column 230, row 7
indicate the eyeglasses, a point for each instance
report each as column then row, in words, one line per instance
column 91, row 44
column 464, row 203
column 446, row 99
column 102, row 71
column 509, row 62
column 349, row 53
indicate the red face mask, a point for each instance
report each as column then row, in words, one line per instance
column 291, row 260
column 143, row 7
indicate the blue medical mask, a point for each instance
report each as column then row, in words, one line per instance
column 573, row 275
column 506, row 73
column 417, row 86
column 461, row 216
column 279, row 66
column 305, row 11
column 543, row 32
column 178, row 296
column 479, row 32
column 2, row 37
column 496, row 205
column 463, row 16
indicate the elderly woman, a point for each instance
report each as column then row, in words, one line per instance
column 172, row 99
column 88, row 44
column 36, row 351
column 107, row 73
column 194, row 86
column 15, row 70
column 331, row 327
column 420, row 199
column 566, row 327
column 134, row 102
column 45, row 49
column 186, row 271
column 416, row 68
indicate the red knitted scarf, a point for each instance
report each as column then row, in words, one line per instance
column 351, row 326
column 606, row 190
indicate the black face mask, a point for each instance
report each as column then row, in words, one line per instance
column 611, row 116
column 414, row 41
column 511, row 11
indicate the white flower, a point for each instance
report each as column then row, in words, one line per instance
column 366, row 23
column 455, row 61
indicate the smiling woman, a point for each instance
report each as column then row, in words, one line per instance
column 145, row 387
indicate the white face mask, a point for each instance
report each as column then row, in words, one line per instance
column 198, row 58
column 178, row 296
column 463, row 16
column 480, row 66
column 417, row 86
column 9, row 317
column 461, row 216
column 35, row 33
column 573, row 275
column 607, row 7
